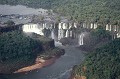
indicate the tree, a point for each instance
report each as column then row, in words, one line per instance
column 10, row 23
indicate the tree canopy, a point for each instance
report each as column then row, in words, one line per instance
column 103, row 63
column 15, row 44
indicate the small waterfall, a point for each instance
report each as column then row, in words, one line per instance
column 81, row 37
column 60, row 34
column 95, row 26
column 110, row 29
column 52, row 34
column 67, row 34
column 70, row 33
column 115, row 28
column 107, row 27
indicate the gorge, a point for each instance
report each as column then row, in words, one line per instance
column 75, row 26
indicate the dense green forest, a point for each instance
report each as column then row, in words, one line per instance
column 18, row 50
column 102, row 11
column 15, row 44
column 103, row 63
column 100, row 34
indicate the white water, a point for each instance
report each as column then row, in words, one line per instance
column 81, row 39
column 67, row 34
column 52, row 34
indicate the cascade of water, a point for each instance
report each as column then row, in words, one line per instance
column 95, row 25
column 67, row 34
column 115, row 29
column 70, row 33
column 60, row 34
column 43, row 25
column 107, row 27
column 92, row 26
column 110, row 29
column 60, row 26
column 52, row 34
column 81, row 39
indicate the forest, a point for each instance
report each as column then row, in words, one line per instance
column 102, row 63
column 18, row 50
column 15, row 44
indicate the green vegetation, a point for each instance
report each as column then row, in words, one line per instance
column 9, row 23
column 100, row 34
column 102, row 11
column 15, row 44
column 18, row 50
column 103, row 63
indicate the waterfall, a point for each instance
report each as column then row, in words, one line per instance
column 92, row 26
column 67, row 34
column 110, row 29
column 43, row 25
column 32, row 28
column 70, row 25
column 70, row 33
column 81, row 37
column 75, row 25
column 60, row 34
column 107, row 27
column 95, row 25
column 52, row 34
column 115, row 28
column 60, row 26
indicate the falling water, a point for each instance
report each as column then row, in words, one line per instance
column 67, row 34
column 60, row 34
column 52, row 34
column 70, row 33
column 81, row 37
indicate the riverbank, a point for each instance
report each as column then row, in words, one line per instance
column 40, row 63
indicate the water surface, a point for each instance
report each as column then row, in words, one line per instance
column 60, row 69
column 20, row 9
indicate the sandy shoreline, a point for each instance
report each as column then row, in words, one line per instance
column 40, row 63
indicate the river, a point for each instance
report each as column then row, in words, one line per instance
column 60, row 69
column 19, row 13
column 20, row 9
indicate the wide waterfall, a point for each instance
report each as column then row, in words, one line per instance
column 81, row 39
column 35, row 28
